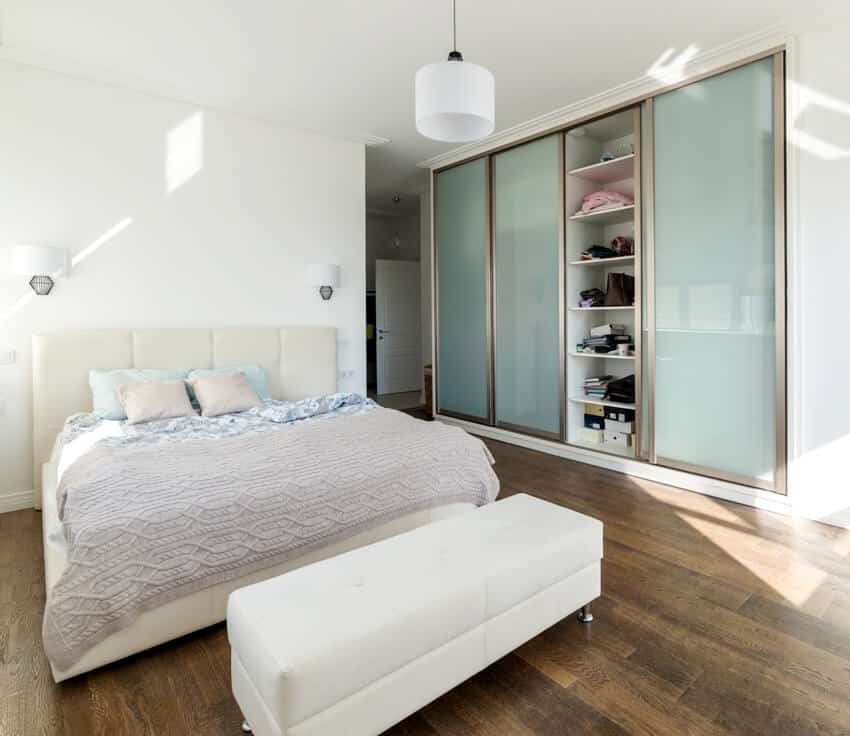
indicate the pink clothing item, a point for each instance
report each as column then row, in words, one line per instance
column 604, row 200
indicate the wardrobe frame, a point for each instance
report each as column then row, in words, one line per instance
column 644, row 261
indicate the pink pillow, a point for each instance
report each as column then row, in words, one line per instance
column 223, row 393
column 144, row 402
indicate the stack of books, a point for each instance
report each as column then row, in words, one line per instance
column 608, row 329
column 596, row 387
column 605, row 338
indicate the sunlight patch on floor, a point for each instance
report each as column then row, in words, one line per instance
column 689, row 501
column 774, row 564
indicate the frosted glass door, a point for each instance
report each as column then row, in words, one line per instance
column 462, row 247
column 526, row 297
column 714, row 286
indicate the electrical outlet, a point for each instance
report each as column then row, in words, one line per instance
column 7, row 357
column 347, row 373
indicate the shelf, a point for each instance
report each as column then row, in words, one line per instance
column 607, row 217
column 601, row 402
column 607, row 171
column 599, row 309
column 605, row 447
column 604, row 261
column 606, row 356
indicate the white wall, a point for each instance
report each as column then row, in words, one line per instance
column 380, row 231
column 819, row 474
column 215, row 218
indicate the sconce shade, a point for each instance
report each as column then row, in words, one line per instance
column 324, row 274
column 38, row 260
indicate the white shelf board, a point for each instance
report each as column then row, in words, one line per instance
column 606, row 356
column 601, row 402
column 607, row 217
column 599, row 309
column 605, row 447
column 604, row 261
column 605, row 172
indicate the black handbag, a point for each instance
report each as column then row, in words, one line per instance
column 620, row 291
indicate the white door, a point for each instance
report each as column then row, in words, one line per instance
column 399, row 342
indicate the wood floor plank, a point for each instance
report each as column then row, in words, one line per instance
column 715, row 619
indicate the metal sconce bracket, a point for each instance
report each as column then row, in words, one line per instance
column 41, row 285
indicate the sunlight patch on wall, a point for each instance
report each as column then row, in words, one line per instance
column 774, row 564
column 671, row 69
column 118, row 227
column 105, row 238
column 184, row 152
column 826, row 490
column 816, row 105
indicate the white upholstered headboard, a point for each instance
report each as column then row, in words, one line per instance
column 299, row 361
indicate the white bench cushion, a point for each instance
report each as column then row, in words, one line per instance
column 316, row 635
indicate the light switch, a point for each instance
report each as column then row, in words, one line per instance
column 7, row 357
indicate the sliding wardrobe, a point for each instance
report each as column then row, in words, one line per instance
column 619, row 285
column 717, row 292
column 527, row 288
column 462, row 197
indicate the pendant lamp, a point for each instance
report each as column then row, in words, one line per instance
column 455, row 100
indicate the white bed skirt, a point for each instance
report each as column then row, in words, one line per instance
column 204, row 607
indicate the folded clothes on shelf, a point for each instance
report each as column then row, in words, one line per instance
column 595, row 252
column 623, row 245
column 591, row 298
column 604, row 200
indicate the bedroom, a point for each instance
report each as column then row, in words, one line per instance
column 282, row 551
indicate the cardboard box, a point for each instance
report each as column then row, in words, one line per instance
column 592, row 436
column 596, row 410
column 613, row 425
column 591, row 421
column 619, row 415
column 618, row 439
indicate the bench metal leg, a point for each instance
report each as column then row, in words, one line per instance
column 584, row 615
column 246, row 728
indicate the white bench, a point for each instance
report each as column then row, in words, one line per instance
column 353, row 644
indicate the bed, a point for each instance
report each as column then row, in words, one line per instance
column 299, row 362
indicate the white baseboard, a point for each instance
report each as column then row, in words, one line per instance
column 687, row 481
column 16, row 501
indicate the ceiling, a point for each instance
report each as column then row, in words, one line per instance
column 346, row 67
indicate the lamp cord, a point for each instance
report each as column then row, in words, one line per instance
column 454, row 25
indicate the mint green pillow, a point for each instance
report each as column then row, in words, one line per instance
column 255, row 374
column 103, row 385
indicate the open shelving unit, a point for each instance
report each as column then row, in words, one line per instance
column 604, row 261
column 617, row 135
column 614, row 216
column 604, row 172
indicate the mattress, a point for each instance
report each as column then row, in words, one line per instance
column 201, row 608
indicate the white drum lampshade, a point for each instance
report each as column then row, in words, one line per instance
column 326, row 277
column 455, row 101
column 41, row 262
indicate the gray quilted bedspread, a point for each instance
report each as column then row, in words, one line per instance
column 147, row 524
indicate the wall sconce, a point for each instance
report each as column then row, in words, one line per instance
column 41, row 263
column 326, row 277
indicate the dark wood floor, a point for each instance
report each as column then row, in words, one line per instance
column 715, row 619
